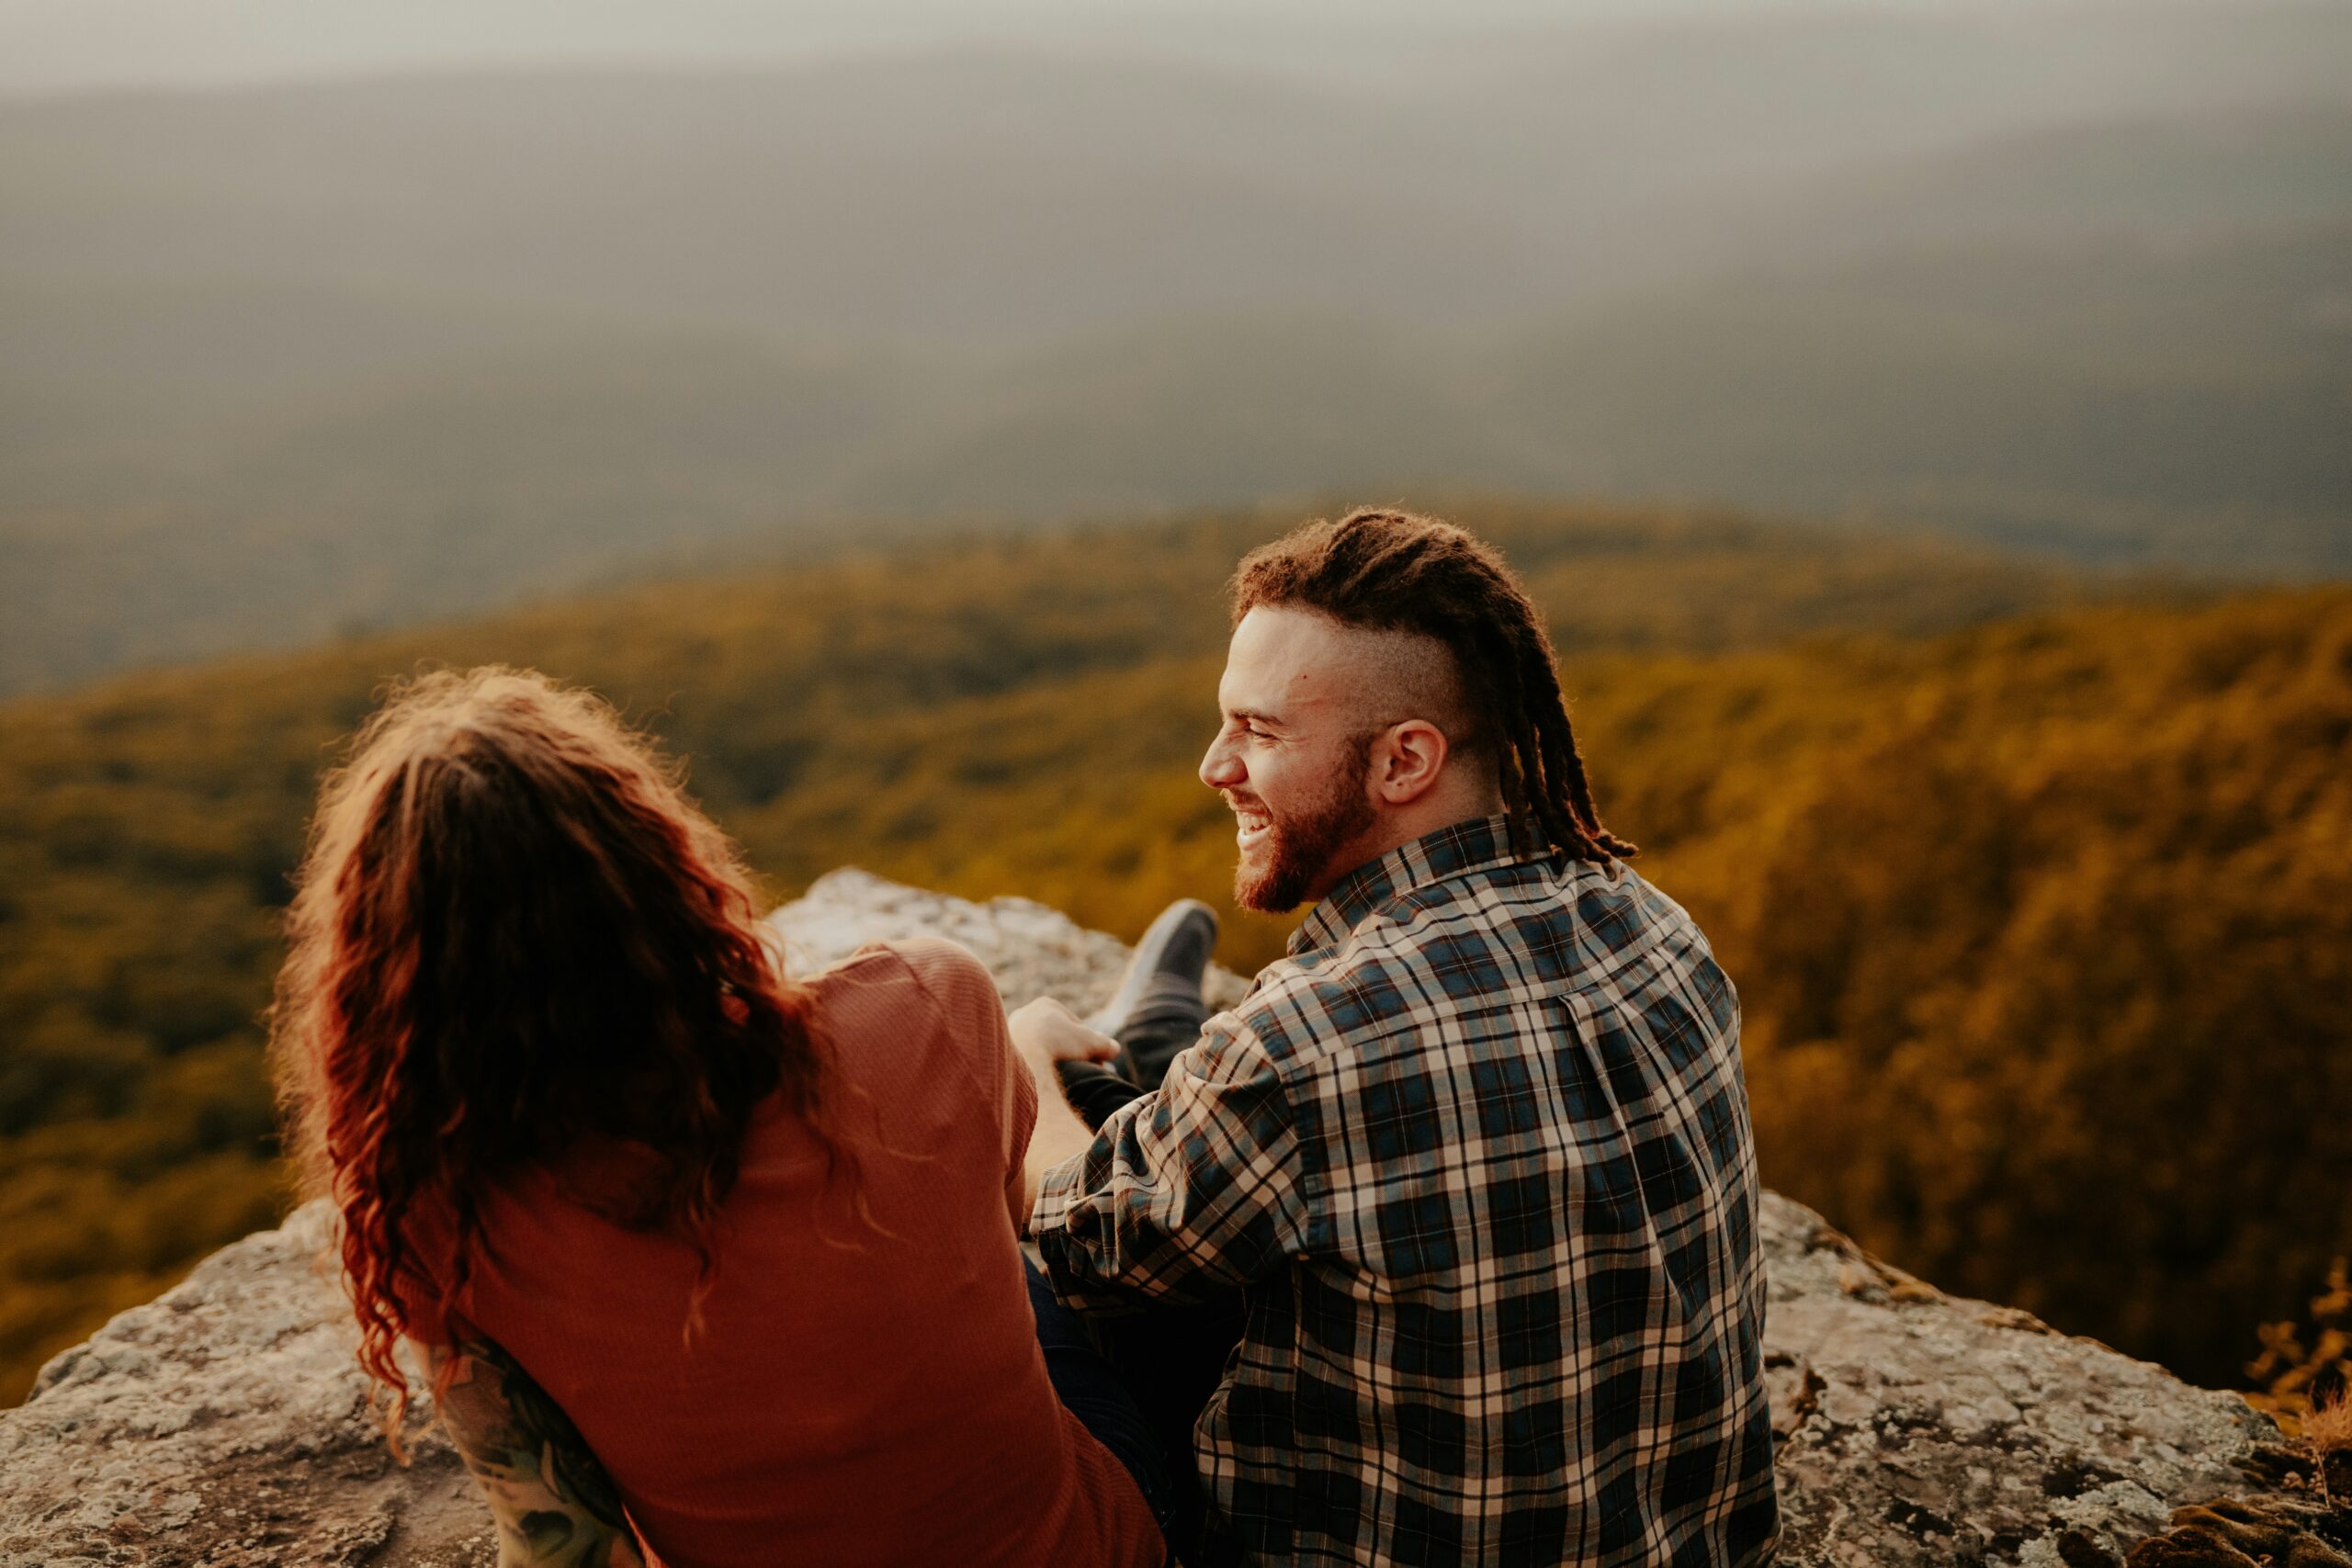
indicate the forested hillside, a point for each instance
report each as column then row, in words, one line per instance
column 2041, row 908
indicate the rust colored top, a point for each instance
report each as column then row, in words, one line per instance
column 859, row 1394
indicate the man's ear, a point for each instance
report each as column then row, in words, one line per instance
column 1407, row 760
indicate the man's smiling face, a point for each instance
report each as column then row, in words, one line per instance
column 1291, row 757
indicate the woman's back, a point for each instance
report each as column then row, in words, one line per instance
column 536, row 1047
column 865, row 1385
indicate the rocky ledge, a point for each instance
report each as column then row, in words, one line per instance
column 225, row 1424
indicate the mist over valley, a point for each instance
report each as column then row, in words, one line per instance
column 280, row 360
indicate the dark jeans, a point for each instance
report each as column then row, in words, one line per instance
column 1147, row 1374
column 1091, row 1389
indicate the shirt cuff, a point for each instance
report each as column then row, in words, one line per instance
column 1057, row 1187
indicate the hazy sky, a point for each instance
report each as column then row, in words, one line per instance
column 61, row 45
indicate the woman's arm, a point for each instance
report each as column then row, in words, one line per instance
column 1045, row 1035
column 551, row 1498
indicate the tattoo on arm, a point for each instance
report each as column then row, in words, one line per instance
column 552, row 1499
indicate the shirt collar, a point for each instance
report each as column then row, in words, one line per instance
column 1468, row 845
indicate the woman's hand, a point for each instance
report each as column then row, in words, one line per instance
column 1046, row 1033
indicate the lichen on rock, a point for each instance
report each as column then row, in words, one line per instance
column 227, row 1425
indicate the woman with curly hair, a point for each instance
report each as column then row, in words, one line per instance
column 699, row 1261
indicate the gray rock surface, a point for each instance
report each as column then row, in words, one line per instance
column 226, row 1423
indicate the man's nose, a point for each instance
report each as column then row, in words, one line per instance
column 1221, row 768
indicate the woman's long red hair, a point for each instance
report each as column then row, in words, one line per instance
column 513, row 929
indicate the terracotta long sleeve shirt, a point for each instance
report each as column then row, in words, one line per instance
column 861, row 1393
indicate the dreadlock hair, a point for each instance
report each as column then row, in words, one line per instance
column 1394, row 571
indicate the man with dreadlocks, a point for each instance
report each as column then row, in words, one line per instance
column 1473, row 1163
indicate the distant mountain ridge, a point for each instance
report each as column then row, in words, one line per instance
column 285, row 360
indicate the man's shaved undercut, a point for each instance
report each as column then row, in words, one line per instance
column 1393, row 676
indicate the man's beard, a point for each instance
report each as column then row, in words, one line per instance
column 1299, row 849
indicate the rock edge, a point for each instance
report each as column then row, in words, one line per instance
column 226, row 1424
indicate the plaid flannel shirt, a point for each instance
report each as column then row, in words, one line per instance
column 1477, row 1154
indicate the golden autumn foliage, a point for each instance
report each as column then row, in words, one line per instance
column 2306, row 1383
column 2041, row 907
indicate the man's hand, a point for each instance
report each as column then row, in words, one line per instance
column 1047, row 1034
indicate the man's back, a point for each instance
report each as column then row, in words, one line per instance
column 1479, row 1151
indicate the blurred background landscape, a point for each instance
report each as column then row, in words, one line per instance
column 1929, row 428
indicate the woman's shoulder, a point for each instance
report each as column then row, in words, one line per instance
column 912, row 989
column 916, row 1031
column 944, row 972
column 946, row 966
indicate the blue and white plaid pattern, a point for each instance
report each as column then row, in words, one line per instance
column 1477, row 1152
